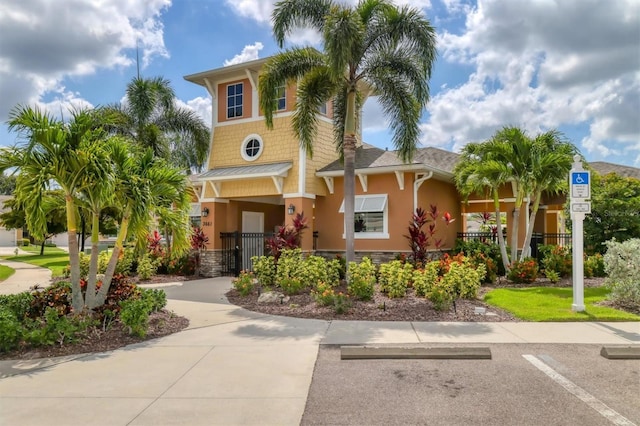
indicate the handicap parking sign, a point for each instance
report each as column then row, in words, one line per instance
column 580, row 185
column 580, row 178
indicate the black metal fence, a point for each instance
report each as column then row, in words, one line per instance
column 537, row 239
column 239, row 247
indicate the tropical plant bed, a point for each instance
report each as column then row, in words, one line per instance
column 408, row 308
column 95, row 339
column 379, row 308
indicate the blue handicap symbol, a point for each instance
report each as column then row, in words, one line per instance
column 580, row 178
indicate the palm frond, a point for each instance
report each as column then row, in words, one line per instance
column 292, row 14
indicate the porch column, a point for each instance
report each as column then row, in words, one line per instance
column 306, row 207
column 214, row 221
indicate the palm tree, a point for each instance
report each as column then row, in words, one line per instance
column 551, row 161
column 478, row 171
column 60, row 153
column 151, row 117
column 511, row 157
column 147, row 187
column 372, row 48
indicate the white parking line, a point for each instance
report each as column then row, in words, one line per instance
column 593, row 402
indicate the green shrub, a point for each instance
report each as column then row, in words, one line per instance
column 622, row 265
column 156, row 298
column 134, row 315
column 523, row 272
column 323, row 294
column 289, row 265
column 362, row 279
column 10, row 330
column 265, row 269
column 486, row 252
column 334, row 272
column 147, row 267
column 552, row 275
column 464, row 279
column 314, row 270
column 26, row 242
column 558, row 259
column 594, row 266
column 441, row 295
column 342, row 266
column 424, row 279
column 245, row 283
column 394, row 278
column 293, row 285
column 53, row 328
column 341, row 303
column 19, row 303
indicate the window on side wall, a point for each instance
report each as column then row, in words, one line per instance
column 234, row 100
column 282, row 98
column 322, row 109
column 371, row 216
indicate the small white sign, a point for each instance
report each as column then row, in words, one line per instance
column 580, row 184
column 583, row 207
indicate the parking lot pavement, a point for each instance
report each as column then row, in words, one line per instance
column 523, row 384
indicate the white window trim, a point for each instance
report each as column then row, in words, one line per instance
column 243, row 147
column 235, row 106
column 284, row 97
column 384, row 235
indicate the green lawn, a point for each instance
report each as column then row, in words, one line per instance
column 54, row 258
column 5, row 272
column 554, row 304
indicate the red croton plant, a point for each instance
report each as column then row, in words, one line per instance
column 287, row 237
column 420, row 239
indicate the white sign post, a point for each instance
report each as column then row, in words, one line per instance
column 580, row 190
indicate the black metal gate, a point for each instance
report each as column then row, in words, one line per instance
column 239, row 247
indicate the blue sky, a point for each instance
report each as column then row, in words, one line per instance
column 573, row 65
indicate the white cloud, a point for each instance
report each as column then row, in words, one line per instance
column 258, row 10
column 201, row 105
column 540, row 65
column 69, row 38
column 249, row 53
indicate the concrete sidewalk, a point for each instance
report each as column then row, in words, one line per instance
column 233, row 367
column 25, row 277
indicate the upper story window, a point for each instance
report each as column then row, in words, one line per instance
column 322, row 109
column 282, row 98
column 234, row 100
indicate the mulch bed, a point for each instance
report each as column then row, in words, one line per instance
column 96, row 339
column 408, row 308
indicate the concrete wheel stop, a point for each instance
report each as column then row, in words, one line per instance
column 620, row 352
column 397, row 352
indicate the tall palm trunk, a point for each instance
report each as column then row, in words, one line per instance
column 349, row 152
column 117, row 249
column 77, row 301
column 90, row 295
column 532, row 218
column 501, row 242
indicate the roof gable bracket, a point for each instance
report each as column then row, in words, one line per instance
column 253, row 78
column 278, row 181
column 216, row 187
column 363, row 181
column 329, row 182
column 400, row 179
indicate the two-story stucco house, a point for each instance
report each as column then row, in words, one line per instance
column 258, row 179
